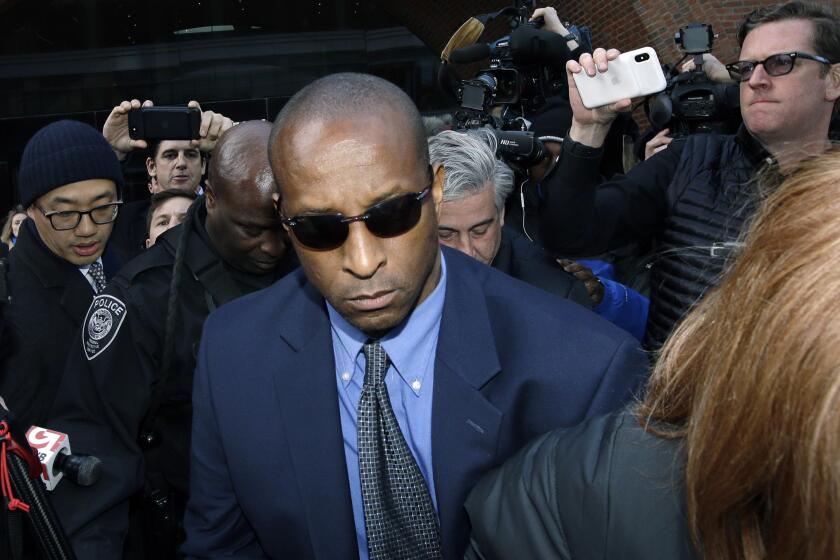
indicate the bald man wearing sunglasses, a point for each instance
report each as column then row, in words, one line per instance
column 694, row 197
column 346, row 411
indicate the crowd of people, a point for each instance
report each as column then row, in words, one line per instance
column 351, row 334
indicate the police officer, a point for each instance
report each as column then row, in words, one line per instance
column 70, row 183
column 127, row 396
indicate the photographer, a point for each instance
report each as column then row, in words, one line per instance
column 550, row 123
column 695, row 197
column 170, row 164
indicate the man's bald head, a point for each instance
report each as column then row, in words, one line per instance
column 242, row 218
column 349, row 96
column 240, row 160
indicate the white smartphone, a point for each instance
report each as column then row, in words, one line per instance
column 632, row 74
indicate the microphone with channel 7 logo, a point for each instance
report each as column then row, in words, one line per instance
column 53, row 449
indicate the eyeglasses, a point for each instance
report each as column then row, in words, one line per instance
column 69, row 219
column 775, row 65
column 389, row 218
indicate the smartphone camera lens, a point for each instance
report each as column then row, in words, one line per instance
column 642, row 57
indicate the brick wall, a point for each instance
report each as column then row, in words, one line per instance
column 624, row 24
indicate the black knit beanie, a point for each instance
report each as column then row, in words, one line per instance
column 65, row 152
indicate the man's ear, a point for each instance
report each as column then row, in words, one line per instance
column 832, row 89
column 502, row 216
column 210, row 196
column 150, row 167
column 148, row 243
column 438, row 178
column 31, row 211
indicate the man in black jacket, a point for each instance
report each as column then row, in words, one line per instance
column 695, row 197
column 128, row 385
column 472, row 218
column 70, row 183
column 473, row 214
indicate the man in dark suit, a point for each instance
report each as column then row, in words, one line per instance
column 347, row 410
column 70, row 183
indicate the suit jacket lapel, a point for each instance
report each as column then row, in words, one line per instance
column 465, row 426
column 306, row 388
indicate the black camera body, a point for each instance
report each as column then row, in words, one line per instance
column 525, row 68
column 691, row 103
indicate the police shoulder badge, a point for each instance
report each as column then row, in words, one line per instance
column 102, row 323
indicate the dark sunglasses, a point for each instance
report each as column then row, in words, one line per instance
column 388, row 218
column 775, row 65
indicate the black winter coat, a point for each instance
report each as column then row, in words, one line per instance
column 49, row 300
column 522, row 259
column 604, row 489
column 694, row 199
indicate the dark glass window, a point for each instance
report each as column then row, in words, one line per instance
column 243, row 58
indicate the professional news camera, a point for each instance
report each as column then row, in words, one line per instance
column 691, row 102
column 526, row 67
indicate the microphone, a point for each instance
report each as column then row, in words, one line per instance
column 473, row 53
column 53, row 449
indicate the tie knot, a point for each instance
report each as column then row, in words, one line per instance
column 376, row 363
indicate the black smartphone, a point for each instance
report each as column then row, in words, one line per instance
column 164, row 123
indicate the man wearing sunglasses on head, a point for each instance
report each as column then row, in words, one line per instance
column 694, row 197
column 346, row 411
column 70, row 183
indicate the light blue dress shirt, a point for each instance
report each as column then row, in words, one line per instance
column 410, row 380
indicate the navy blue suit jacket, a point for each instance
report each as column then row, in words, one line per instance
column 268, row 470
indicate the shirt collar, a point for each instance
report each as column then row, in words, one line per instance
column 84, row 269
column 410, row 346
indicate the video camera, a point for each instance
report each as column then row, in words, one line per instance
column 526, row 67
column 691, row 102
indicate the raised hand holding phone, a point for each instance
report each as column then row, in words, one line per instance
column 590, row 125
column 632, row 74
column 116, row 132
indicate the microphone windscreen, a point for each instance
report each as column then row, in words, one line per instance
column 84, row 470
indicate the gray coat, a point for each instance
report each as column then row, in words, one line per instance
column 604, row 489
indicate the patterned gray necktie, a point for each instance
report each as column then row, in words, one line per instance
column 95, row 272
column 400, row 519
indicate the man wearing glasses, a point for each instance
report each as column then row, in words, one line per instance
column 346, row 411
column 70, row 183
column 694, row 197
column 127, row 386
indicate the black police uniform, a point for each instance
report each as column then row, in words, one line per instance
column 111, row 377
column 49, row 300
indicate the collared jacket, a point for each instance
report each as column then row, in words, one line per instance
column 49, row 300
column 694, row 199
column 522, row 259
column 268, row 470
column 115, row 365
column 603, row 489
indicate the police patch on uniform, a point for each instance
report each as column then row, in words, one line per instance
column 102, row 323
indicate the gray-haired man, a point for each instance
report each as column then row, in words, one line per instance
column 472, row 218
